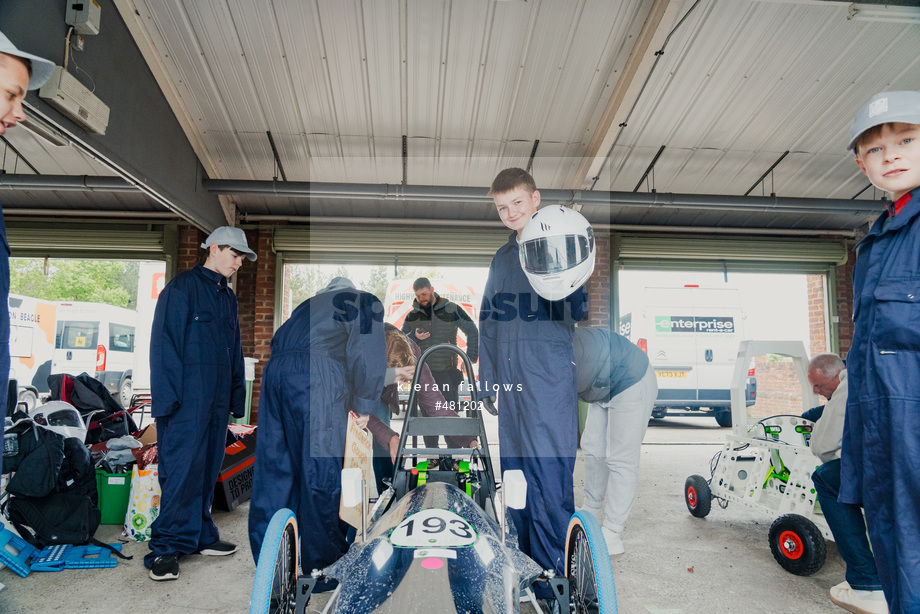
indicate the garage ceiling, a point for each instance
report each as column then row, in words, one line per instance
column 699, row 97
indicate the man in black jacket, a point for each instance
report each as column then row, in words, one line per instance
column 434, row 320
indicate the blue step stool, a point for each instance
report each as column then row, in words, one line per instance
column 65, row 556
column 16, row 561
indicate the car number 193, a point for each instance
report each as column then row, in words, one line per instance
column 433, row 528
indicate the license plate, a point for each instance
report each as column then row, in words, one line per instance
column 671, row 374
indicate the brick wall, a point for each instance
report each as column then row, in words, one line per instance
column 256, row 293
column 190, row 252
column 817, row 330
column 778, row 389
column 598, row 285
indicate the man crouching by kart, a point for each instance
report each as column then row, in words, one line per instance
column 328, row 358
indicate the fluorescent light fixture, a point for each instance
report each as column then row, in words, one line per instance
column 45, row 131
column 884, row 13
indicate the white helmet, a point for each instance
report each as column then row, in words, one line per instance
column 557, row 251
column 60, row 417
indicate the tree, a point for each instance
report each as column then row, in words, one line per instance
column 97, row 281
column 308, row 279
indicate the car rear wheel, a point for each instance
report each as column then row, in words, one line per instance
column 797, row 544
column 587, row 567
column 724, row 418
column 275, row 587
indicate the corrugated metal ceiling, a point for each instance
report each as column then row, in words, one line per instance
column 472, row 85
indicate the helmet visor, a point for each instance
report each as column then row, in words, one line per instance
column 547, row 255
column 65, row 417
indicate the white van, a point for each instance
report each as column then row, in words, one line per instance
column 691, row 336
column 97, row 339
column 32, row 328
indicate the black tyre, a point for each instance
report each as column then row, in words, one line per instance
column 587, row 567
column 797, row 544
column 724, row 418
column 698, row 496
column 275, row 587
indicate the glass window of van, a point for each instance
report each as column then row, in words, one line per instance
column 121, row 338
column 77, row 335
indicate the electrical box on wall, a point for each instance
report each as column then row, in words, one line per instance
column 66, row 94
column 83, row 16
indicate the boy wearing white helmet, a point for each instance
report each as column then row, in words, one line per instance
column 880, row 455
column 525, row 354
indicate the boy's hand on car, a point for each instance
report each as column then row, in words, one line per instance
column 394, row 447
column 361, row 420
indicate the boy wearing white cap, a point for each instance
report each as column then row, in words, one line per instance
column 19, row 72
column 196, row 381
column 880, row 454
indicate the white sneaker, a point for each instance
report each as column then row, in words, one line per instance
column 614, row 543
column 859, row 602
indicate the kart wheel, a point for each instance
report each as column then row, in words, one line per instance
column 698, row 496
column 275, row 587
column 797, row 544
column 587, row 567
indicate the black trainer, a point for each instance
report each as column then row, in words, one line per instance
column 219, row 548
column 165, row 567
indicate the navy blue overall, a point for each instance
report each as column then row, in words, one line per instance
column 197, row 380
column 880, row 456
column 525, row 350
column 329, row 357
column 4, row 322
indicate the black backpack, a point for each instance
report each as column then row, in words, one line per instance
column 58, row 518
column 52, row 494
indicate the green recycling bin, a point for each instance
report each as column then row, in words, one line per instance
column 250, row 377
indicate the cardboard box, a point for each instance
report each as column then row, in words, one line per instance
column 149, row 434
column 114, row 492
column 234, row 483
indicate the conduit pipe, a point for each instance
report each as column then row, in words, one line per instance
column 467, row 194
column 106, row 213
column 421, row 193
column 391, row 221
column 67, row 183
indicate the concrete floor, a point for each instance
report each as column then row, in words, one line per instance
column 674, row 563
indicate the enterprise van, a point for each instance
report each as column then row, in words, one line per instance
column 97, row 339
column 691, row 336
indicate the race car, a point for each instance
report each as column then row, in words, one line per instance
column 438, row 540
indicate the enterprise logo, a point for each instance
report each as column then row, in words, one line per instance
column 691, row 324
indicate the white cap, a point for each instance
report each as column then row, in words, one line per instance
column 234, row 237
column 41, row 68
